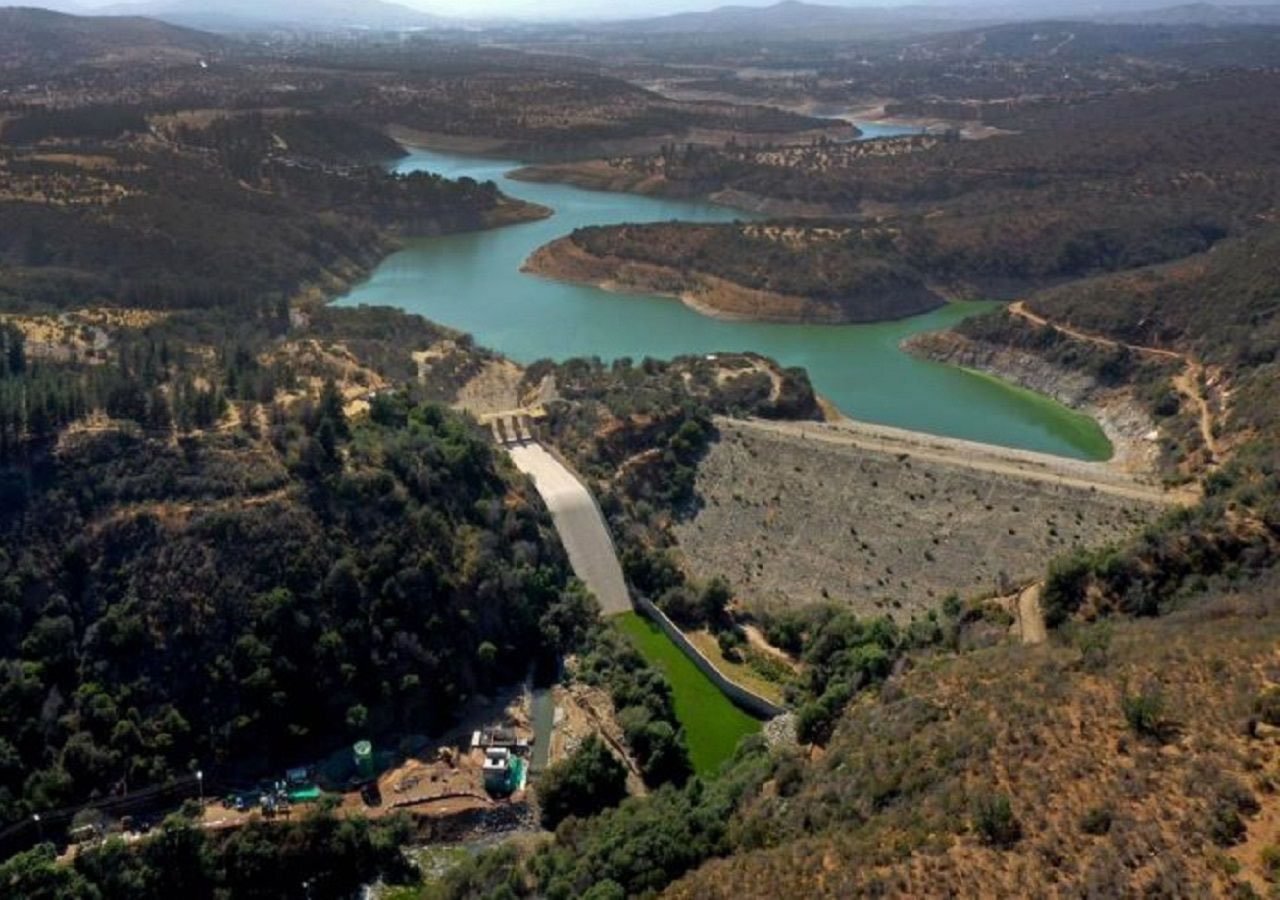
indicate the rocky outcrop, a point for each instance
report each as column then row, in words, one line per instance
column 1123, row 419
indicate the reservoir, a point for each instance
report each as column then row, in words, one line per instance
column 472, row 282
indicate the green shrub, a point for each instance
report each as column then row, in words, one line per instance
column 1226, row 827
column 1065, row 586
column 588, row 782
column 1270, row 859
column 731, row 643
column 817, row 719
column 995, row 822
column 1097, row 820
column 1094, row 643
column 1144, row 712
column 766, row 665
column 1267, row 706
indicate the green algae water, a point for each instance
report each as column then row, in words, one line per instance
column 713, row 726
column 472, row 282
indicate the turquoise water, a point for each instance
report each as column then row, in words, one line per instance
column 472, row 282
column 872, row 130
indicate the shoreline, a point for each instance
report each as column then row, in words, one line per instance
column 870, row 112
column 563, row 260
column 337, row 280
column 598, row 175
column 831, row 412
column 1127, row 426
column 528, row 151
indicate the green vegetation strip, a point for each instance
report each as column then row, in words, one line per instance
column 712, row 724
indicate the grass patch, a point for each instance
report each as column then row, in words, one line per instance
column 712, row 724
column 741, row 672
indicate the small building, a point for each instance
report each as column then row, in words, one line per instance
column 497, row 769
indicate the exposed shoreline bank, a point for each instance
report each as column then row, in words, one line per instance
column 568, row 151
column 1126, row 424
column 710, row 295
column 599, row 175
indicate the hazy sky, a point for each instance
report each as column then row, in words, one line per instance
column 613, row 9
column 541, row 9
column 617, row 9
column 633, row 9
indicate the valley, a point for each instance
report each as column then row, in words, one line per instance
column 782, row 450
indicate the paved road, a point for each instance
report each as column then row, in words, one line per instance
column 582, row 530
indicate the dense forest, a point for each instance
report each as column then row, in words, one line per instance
column 320, row 856
column 397, row 569
column 239, row 210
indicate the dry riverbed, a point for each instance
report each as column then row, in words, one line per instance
column 891, row 522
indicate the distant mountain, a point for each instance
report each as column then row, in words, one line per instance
column 1204, row 14
column 797, row 18
column 52, row 40
column 249, row 15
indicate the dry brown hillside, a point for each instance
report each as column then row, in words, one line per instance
column 1131, row 759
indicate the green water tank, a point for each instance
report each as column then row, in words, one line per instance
column 363, row 752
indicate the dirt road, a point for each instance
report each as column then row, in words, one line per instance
column 980, row 457
column 580, row 525
column 1031, row 615
column 1188, row 383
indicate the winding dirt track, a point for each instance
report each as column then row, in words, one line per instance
column 1188, row 383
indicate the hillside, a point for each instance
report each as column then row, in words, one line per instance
column 1215, row 14
column 317, row 15
column 1217, row 310
column 204, row 561
column 239, row 209
column 1121, row 762
column 793, row 18
column 39, row 39
column 1132, row 180
column 783, row 273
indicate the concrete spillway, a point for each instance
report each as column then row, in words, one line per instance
column 581, row 527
